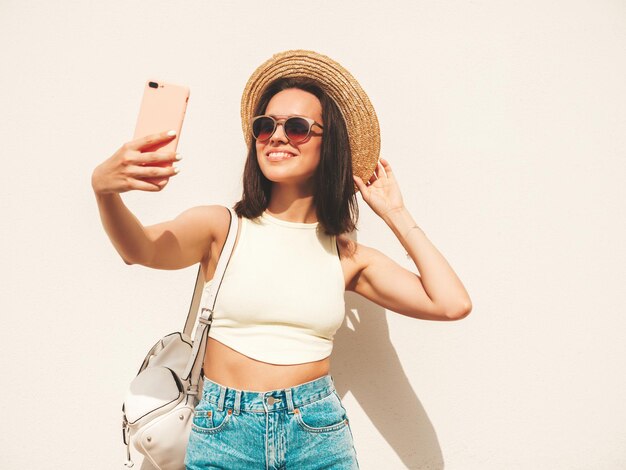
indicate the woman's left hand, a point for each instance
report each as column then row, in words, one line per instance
column 381, row 192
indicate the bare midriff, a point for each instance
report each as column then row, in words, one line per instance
column 232, row 369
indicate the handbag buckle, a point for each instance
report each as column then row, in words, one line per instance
column 202, row 319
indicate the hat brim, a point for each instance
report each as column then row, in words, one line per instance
column 354, row 104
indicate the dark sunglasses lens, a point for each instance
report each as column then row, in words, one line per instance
column 263, row 128
column 297, row 129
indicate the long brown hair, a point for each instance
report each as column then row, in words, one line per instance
column 333, row 187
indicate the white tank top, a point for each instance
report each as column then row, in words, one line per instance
column 282, row 297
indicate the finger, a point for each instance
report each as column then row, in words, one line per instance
column 387, row 167
column 373, row 178
column 160, row 182
column 380, row 171
column 150, row 171
column 151, row 158
column 146, row 185
column 151, row 140
column 360, row 184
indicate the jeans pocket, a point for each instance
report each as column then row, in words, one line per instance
column 208, row 419
column 323, row 415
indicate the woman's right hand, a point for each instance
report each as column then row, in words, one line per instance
column 134, row 167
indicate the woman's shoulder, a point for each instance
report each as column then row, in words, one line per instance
column 208, row 213
column 357, row 252
column 212, row 220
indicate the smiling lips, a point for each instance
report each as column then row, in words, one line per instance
column 278, row 156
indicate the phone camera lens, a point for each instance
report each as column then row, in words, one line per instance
column 153, row 85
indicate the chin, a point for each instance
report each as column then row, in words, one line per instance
column 288, row 179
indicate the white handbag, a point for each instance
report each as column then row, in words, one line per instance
column 158, row 407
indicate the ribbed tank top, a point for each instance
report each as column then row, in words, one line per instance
column 282, row 297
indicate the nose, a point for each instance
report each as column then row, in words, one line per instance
column 279, row 135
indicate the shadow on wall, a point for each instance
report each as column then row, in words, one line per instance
column 365, row 363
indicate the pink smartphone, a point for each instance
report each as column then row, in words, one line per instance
column 162, row 108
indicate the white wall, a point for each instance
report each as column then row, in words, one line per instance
column 504, row 122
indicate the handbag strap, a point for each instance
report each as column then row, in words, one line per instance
column 192, row 316
column 194, row 307
column 194, row 366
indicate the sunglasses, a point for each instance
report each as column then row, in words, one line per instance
column 296, row 128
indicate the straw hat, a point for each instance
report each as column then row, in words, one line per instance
column 341, row 86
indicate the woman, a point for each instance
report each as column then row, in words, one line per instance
column 268, row 398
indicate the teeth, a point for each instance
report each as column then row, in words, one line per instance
column 279, row 154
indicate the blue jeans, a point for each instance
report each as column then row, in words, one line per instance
column 301, row 427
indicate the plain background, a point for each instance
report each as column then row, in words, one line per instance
column 505, row 125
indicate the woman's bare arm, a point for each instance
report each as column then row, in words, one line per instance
column 438, row 294
column 124, row 229
column 174, row 244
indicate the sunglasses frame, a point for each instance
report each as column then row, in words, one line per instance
column 276, row 121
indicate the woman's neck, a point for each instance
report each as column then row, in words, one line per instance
column 291, row 204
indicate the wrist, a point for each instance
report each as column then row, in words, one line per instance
column 105, row 196
column 396, row 215
column 95, row 186
column 400, row 221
